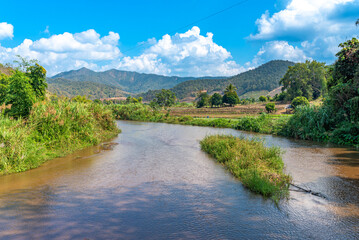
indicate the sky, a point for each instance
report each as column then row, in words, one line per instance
column 174, row 38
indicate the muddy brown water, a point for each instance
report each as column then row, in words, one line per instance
column 157, row 184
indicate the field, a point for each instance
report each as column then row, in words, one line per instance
column 225, row 112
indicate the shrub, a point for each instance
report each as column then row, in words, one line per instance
column 263, row 99
column 270, row 107
column 300, row 101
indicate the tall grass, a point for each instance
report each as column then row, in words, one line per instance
column 53, row 129
column 259, row 168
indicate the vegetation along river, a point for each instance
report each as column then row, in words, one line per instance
column 156, row 183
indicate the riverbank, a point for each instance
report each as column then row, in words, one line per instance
column 263, row 123
column 259, row 168
column 53, row 129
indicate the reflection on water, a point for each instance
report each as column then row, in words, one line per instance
column 157, row 184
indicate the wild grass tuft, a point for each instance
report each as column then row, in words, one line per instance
column 259, row 168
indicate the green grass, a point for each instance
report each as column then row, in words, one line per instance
column 259, row 168
column 53, row 129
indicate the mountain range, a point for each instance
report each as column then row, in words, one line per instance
column 116, row 83
column 261, row 80
column 131, row 82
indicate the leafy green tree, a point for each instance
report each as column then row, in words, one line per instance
column 165, row 98
column 230, row 88
column 270, row 107
column 230, row 98
column 4, row 82
column 80, row 99
column 202, row 100
column 37, row 75
column 300, row 101
column 263, row 99
column 216, row 100
column 305, row 79
column 20, row 95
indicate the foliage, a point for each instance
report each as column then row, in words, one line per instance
column 346, row 66
column 81, row 99
column 37, row 75
column 305, row 79
column 216, row 100
column 165, row 98
column 202, row 100
column 263, row 99
column 337, row 120
column 53, row 129
column 300, row 101
column 270, row 107
column 130, row 99
column 20, row 95
column 230, row 98
column 230, row 88
column 259, row 168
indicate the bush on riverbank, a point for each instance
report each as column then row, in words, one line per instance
column 259, row 168
column 53, row 129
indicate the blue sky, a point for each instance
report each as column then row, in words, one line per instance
column 155, row 36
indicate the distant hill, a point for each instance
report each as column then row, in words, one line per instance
column 263, row 78
column 70, row 88
column 127, row 81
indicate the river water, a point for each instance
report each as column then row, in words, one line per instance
column 156, row 183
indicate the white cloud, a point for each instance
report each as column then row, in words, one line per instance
column 6, row 30
column 67, row 51
column 278, row 50
column 300, row 19
column 307, row 29
column 184, row 54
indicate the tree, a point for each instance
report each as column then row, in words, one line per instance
column 299, row 101
column 305, row 79
column 165, row 98
column 37, row 75
column 263, row 99
column 230, row 88
column 4, row 82
column 20, row 95
column 202, row 100
column 270, row 107
column 230, row 98
column 216, row 100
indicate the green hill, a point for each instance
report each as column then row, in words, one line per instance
column 70, row 88
column 263, row 78
column 128, row 81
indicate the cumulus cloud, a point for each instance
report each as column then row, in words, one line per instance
column 302, row 19
column 6, row 30
column 184, row 54
column 67, row 51
column 307, row 29
column 278, row 50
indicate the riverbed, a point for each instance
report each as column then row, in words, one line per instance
column 154, row 182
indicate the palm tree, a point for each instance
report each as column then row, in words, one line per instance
column 230, row 88
column 357, row 22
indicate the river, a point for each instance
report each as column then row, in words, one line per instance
column 156, row 183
